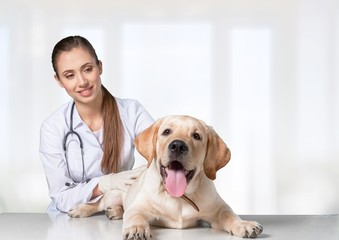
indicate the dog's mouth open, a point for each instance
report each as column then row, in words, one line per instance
column 176, row 178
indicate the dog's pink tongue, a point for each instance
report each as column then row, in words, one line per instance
column 176, row 183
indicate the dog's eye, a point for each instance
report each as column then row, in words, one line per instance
column 196, row 136
column 166, row 132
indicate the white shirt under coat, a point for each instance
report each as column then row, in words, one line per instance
column 134, row 118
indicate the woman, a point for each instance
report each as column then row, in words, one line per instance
column 87, row 144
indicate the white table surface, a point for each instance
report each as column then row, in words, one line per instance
column 38, row 226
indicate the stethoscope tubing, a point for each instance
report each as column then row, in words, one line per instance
column 72, row 132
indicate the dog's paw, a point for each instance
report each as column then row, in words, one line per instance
column 80, row 211
column 138, row 232
column 246, row 229
column 114, row 212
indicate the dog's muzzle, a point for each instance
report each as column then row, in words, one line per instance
column 174, row 175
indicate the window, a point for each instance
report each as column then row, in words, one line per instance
column 251, row 66
column 4, row 96
column 168, row 67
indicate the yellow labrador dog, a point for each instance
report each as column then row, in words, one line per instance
column 176, row 190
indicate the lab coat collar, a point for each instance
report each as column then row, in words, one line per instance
column 77, row 121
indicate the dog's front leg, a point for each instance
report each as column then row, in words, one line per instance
column 228, row 221
column 85, row 209
column 135, row 226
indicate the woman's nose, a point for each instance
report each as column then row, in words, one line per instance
column 82, row 80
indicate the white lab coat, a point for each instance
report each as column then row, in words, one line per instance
column 134, row 118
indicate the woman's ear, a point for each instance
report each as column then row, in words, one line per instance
column 100, row 67
column 58, row 80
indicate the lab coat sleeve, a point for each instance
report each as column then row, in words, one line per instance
column 52, row 157
column 143, row 119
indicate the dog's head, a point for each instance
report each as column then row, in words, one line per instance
column 182, row 147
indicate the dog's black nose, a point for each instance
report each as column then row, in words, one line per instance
column 178, row 147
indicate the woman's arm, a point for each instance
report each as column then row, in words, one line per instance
column 143, row 118
column 52, row 157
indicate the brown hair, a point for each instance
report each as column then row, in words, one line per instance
column 113, row 137
column 112, row 129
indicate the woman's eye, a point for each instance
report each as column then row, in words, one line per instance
column 196, row 136
column 69, row 76
column 166, row 132
column 89, row 69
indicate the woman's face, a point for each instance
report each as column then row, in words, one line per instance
column 79, row 74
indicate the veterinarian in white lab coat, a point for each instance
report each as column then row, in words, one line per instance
column 88, row 143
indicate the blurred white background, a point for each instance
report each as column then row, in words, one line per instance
column 264, row 74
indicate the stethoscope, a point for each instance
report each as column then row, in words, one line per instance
column 72, row 132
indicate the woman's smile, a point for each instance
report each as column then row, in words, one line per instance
column 86, row 92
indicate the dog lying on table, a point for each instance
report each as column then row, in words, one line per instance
column 176, row 190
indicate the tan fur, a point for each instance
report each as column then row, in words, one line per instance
column 147, row 202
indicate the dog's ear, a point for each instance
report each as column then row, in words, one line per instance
column 145, row 142
column 217, row 155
